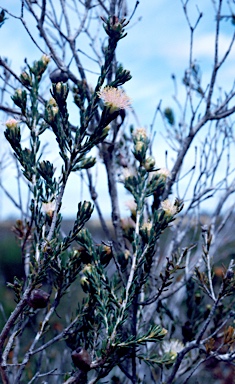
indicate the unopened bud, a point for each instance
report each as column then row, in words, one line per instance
column 85, row 284
column 26, row 79
column 45, row 59
column 11, row 123
column 149, row 163
column 60, row 90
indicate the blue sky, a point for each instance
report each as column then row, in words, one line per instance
column 157, row 45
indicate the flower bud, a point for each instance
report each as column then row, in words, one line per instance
column 81, row 359
column 145, row 230
column 139, row 152
column 38, row 299
column 40, row 66
column 106, row 131
column 169, row 208
column 52, row 102
column 106, row 254
column 20, row 99
column 45, row 59
column 60, row 91
column 85, row 275
column 140, row 134
column 149, row 163
column 26, row 79
column 51, row 110
column 85, row 284
column 114, row 27
column 11, row 123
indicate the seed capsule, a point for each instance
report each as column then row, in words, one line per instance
column 57, row 76
column 38, row 299
column 81, row 359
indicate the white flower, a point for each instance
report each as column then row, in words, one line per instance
column 49, row 207
column 173, row 346
column 115, row 98
column 164, row 172
column 169, row 208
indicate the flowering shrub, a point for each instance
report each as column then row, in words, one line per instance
column 123, row 310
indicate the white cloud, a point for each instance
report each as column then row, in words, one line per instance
column 203, row 48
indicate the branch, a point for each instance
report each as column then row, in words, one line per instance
column 10, row 322
column 107, row 152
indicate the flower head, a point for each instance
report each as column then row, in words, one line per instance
column 164, row 172
column 45, row 59
column 18, row 92
column 114, row 98
column 52, row 109
column 11, row 123
column 128, row 172
column 172, row 346
column 169, row 208
column 146, row 227
column 49, row 207
column 140, row 134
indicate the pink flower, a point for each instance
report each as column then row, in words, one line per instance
column 11, row 123
column 115, row 98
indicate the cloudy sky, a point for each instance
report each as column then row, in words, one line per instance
column 157, row 46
